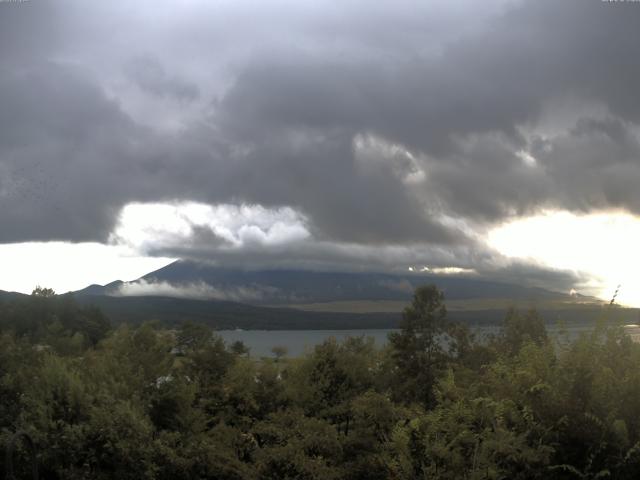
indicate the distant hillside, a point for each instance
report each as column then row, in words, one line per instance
column 230, row 315
column 9, row 295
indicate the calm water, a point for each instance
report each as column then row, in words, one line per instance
column 298, row 342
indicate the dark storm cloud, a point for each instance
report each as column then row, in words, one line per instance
column 468, row 108
column 71, row 158
column 56, row 129
column 479, row 113
column 520, row 272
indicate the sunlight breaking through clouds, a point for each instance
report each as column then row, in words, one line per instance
column 603, row 245
column 153, row 226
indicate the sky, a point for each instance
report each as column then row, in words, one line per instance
column 499, row 139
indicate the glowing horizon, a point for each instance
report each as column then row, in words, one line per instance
column 603, row 246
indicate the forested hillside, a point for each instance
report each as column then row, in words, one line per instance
column 151, row 403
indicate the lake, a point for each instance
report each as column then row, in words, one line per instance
column 298, row 342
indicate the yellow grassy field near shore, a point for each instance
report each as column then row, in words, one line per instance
column 392, row 306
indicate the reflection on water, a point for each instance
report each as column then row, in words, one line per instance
column 298, row 342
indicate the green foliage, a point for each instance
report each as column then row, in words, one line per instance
column 150, row 403
column 417, row 349
column 56, row 321
column 293, row 446
column 279, row 352
column 43, row 292
column 520, row 329
column 193, row 336
column 239, row 348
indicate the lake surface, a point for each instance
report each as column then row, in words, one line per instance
column 298, row 342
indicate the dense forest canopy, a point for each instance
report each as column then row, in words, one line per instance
column 147, row 402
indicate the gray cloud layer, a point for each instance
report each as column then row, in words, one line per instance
column 376, row 122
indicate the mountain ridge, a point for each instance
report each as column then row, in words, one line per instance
column 274, row 287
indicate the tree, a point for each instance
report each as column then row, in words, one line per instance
column 279, row 352
column 43, row 292
column 239, row 348
column 417, row 348
column 519, row 330
column 193, row 336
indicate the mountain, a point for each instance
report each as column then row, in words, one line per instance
column 297, row 287
column 227, row 298
column 96, row 289
column 297, row 299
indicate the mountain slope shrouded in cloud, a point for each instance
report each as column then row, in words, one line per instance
column 186, row 279
column 296, row 299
